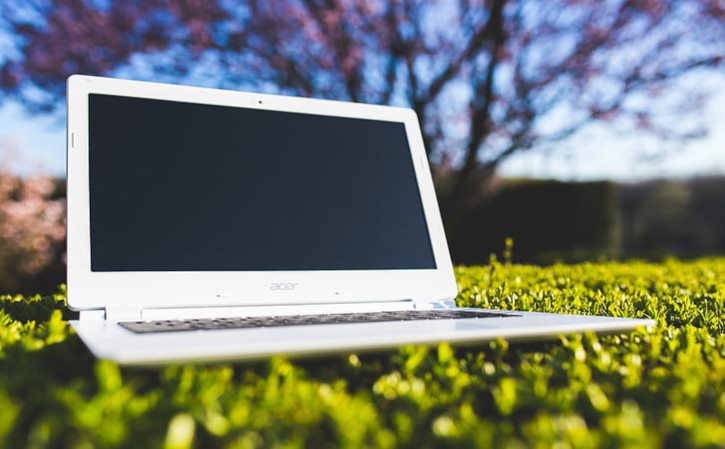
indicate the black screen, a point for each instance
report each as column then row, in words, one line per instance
column 189, row 187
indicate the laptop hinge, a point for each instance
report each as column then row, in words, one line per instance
column 92, row 315
column 429, row 305
column 123, row 313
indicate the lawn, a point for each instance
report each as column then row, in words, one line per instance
column 640, row 390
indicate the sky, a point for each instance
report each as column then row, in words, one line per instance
column 32, row 144
column 600, row 153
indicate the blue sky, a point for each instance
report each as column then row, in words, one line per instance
column 598, row 152
column 38, row 145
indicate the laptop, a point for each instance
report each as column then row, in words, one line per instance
column 208, row 225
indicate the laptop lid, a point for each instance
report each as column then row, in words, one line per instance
column 191, row 197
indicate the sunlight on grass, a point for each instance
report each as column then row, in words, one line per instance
column 638, row 390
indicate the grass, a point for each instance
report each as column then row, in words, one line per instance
column 640, row 390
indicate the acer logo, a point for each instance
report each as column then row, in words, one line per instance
column 283, row 285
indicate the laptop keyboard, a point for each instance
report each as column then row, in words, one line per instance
column 143, row 327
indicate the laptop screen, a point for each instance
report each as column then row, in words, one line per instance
column 191, row 187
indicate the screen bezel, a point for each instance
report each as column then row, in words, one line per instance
column 88, row 289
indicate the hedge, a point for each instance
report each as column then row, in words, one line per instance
column 638, row 390
column 549, row 221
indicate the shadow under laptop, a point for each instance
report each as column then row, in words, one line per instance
column 364, row 368
column 36, row 373
column 55, row 363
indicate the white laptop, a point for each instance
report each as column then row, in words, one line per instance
column 208, row 224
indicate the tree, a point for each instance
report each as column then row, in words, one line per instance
column 487, row 78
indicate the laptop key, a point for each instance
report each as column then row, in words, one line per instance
column 142, row 327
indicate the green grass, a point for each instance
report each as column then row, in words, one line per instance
column 638, row 390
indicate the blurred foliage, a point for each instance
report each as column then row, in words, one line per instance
column 673, row 217
column 548, row 220
column 664, row 388
column 32, row 232
column 554, row 221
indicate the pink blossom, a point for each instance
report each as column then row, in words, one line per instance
column 32, row 227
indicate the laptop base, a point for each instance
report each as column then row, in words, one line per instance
column 108, row 340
